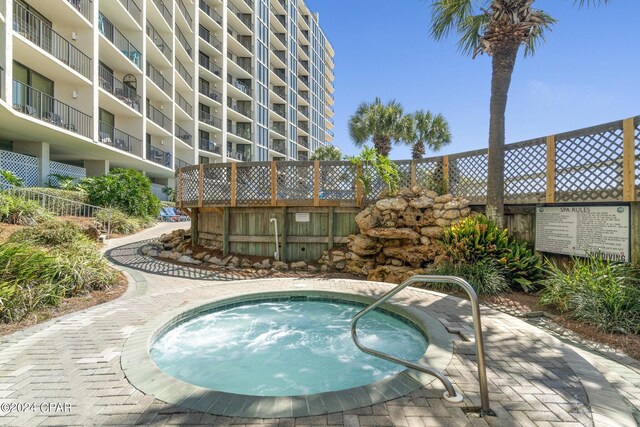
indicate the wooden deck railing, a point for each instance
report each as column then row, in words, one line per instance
column 595, row 164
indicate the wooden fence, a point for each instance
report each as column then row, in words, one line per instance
column 595, row 164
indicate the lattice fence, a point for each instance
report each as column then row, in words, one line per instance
column 216, row 184
column 25, row 167
column 75, row 172
column 294, row 181
column 253, row 184
column 429, row 174
column 637, row 135
column 337, row 181
column 589, row 164
column 190, row 184
column 468, row 174
column 525, row 172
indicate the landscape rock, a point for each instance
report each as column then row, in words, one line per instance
column 364, row 245
column 368, row 218
column 245, row 263
column 300, row 265
column 421, row 202
column 393, row 233
column 280, row 265
column 396, row 204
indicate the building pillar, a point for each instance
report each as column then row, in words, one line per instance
column 41, row 151
column 96, row 167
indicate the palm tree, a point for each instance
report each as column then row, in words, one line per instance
column 427, row 129
column 384, row 124
column 498, row 28
column 326, row 152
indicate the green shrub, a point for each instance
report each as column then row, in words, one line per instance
column 485, row 278
column 596, row 291
column 374, row 165
column 121, row 223
column 52, row 233
column 16, row 210
column 76, row 196
column 11, row 178
column 126, row 189
column 34, row 276
column 477, row 239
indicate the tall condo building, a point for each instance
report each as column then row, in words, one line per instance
column 89, row 85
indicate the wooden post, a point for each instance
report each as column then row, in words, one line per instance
column 316, row 183
column 551, row 169
column 234, row 173
column 330, row 227
column 283, row 235
column 200, row 185
column 179, row 189
column 358, row 186
column 274, row 183
column 194, row 226
column 445, row 174
column 225, row 231
column 628, row 161
column 414, row 178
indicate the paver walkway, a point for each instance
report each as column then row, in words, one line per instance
column 74, row 361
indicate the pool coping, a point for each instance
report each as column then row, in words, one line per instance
column 142, row 372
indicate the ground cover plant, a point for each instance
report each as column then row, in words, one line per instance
column 16, row 210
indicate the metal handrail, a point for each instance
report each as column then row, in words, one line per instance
column 451, row 394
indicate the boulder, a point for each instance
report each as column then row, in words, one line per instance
column 312, row 269
column 443, row 222
column 363, row 245
column 393, row 233
column 432, row 232
column 300, row 265
column 92, row 232
column 454, row 204
column 392, row 274
column 444, row 199
column 280, row 266
column 186, row 259
column 424, row 240
column 465, row 212
column 234, row 262
column 215, row 261
column 413, row 255
column 421, row 202
column 165, row 254
column 200, row 255
column 452, row 214
column 340, row 265
column 368, row 218
column 245, row 263
column 175, row 255
column 396, row 204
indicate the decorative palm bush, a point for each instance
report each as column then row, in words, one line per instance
column 16, row 210
column 486, row 278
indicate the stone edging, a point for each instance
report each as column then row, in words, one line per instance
column 142, row 372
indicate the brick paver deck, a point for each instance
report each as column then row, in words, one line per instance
column 74, row 361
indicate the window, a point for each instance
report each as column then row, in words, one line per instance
column 33, row 92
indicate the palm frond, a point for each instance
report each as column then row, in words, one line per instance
column 539, row 37
column 471, row 29
column 446, row 16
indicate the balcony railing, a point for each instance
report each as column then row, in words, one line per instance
column 304, row 95
column 48, row 109
column 305, row 80
column 183, row 135
column 281, row 54
column 157, row 77
column 210, row 146
column 185, row 13
column 133, row 9
column 280, row 110
column 164, row 10
column 280, row 36
column 304, row 126
column 281, row 91
column 238, row 155
column 245, row 41
column 116, row 138
column 207, row 63
column 158, row 156
column 245, row 18
column 82, row 6
column 235, row 106
column 210, row 93
column 280, row 73
column 115, row 87
column 241, row 131
column 184, row 104
column 181, row 163
column 241, row 86
column 211, row 12
column 123, row 44
column 282, row 19
column 304, row 141
column 183, row 41
column 159, row 118
column 303, row 157
column 210, row 38
column 279, row 145
column 158, row 41
column 305, row 48
column 304, row 111
column 279, row 127
column 42, row 35
column 304, row 63
column 242, row 62
column 305, row 33
column 184, row 73
column 210, row 120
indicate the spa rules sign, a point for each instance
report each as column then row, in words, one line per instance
column 578, row 230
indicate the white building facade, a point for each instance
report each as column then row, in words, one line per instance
column 160, row 84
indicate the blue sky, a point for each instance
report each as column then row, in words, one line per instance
column 586, row 73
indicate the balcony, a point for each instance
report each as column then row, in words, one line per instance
column 210, row 120
column 279, row 145
column 303, row 157
column 305, row 80
column 280, row 73
column 241, row 131
column 182, row 71
column 181, row 164
column 245, row 41
column 116, row 138
column 210, row 146
column 159, row 41
column 280, row 109
column 282, row 37
column 115, row 87
column 305, row 49
column 158, row 156
column 304, row 141
column 42, row 35
column 157, row 77
column 46, row 108
column 82, row 6
column 304, row 95
column 183, row 41
column 210, row 38
column 305, row 33
column 210, row 93
column 184, row 104
column 305, row 64
column 164, row 11
column 111, row 33
column 240, row 108
column 157, row 117
column 242, row 62
column 245, row 18
column 212, row 13
column 237, row 155
column 304, row 111
column 240, row 85
column 281, row 55
column 183, row 135
column 185, row 13
column 207, row 63
column 279, row 127
column 304, row 126
column 133, row 9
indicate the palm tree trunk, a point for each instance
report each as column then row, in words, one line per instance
column 418, row 150
column 382, row 145
column 503, row 63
